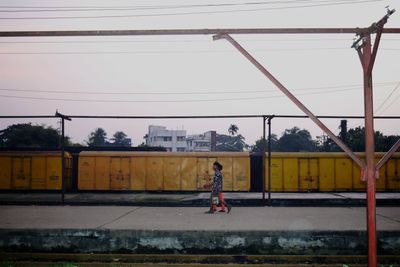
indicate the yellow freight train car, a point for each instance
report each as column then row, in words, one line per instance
column 160, row 171
column 33, row 170
column 327, row 172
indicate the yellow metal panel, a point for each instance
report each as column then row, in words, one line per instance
column 38, row 173
column 86, row 176
column 120, row 173
column 189, row 174
column 290, row 175
column 172, row 174
column 5, row 172
column 343, row 174
column 393, row 174
column 241, row 174
column 21, row 172
column 308, row 169
column 358, row 184
column 205, row 172
column 138, row 173
column 276, row 174
column 54, row 173
column 102, row 173
column 326, row 174
column 154, row 173
column 381, row 181
column 227, row 177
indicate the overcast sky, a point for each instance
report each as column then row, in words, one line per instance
column 192, row 75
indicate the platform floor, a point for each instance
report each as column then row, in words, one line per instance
column 194, row 218
column 195, row 199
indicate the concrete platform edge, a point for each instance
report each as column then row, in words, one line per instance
column 195, row 242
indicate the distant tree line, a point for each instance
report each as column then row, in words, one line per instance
column 28, row 135
column 291, row 140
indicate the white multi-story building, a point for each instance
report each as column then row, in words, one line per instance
column 172, row 140
column 201, row 142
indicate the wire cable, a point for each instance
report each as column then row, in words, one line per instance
column 351, row 86
column 124, row 8
column 168, row 101
column 387, row 98
column 189, row 13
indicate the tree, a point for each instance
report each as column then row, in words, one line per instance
column 97, row 138
column 120, row 139
column 258, row 146
column 231, row 143
column 28, row 135
column 233, row 129
column 296, row 140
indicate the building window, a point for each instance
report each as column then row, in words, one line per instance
column 181, row 149
column 180, row 138
column 167, row 138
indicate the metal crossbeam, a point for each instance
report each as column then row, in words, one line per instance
column 192, row 32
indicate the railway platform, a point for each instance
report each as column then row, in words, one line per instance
column 140, row 230
column 195, row 199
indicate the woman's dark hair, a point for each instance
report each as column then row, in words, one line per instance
column 219, row 166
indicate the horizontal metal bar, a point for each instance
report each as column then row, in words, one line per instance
column 195, row 117
column 28, row 117
column 192, row 32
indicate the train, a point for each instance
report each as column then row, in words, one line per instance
column 156, row 171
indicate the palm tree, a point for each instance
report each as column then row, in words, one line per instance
column 233, row 129
column 97, row 138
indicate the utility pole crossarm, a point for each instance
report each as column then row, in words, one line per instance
column 192, row 32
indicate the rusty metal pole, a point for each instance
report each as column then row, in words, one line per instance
column 269, row 161
column 62, row 161
column 369, row 153
column 263, row 162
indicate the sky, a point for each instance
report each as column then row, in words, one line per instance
column 192, row 75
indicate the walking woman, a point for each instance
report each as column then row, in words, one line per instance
column 217, row 195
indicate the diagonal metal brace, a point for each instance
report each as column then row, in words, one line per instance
column 388, row 154
column 284, row 90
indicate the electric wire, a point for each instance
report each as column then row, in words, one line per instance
column 387, row 98
column 188, row 13
column 170, row 101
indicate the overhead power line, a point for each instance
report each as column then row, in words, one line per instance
column 387, row 98
column 170, row 101
column 350, row 87
column 17, row 9
column 191, row 12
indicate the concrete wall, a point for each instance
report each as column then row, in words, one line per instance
column 197, row 242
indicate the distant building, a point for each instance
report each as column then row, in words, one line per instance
column 172, row 140
column 201, row 142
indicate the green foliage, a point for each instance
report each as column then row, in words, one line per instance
column 28, row 135
column 355, row 140
column 258, row 146
column 230, row 143
column 97, row 138
column 296, row 140
column 120, row 140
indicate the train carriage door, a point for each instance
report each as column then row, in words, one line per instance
column 172, row 174
column 5, row 173
column 154, row 174
column 309, row 174
column 393, row 174
column 22, row 172
column 204, row 172
column 227, row 181
column 120, row 173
